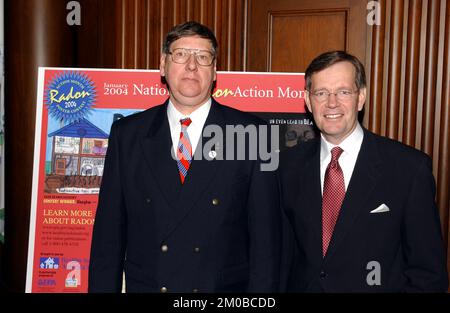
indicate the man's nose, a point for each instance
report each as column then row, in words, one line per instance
column 332, row 100
column 192, row 62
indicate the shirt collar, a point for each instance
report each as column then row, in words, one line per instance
column 198, row 117
column 350, row 145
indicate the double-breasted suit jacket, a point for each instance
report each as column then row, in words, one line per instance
column 217, row 232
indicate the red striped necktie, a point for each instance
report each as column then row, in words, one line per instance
column 333, row 196
column 184, row 150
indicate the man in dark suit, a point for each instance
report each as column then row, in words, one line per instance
column 178, row 221
column 361, row 207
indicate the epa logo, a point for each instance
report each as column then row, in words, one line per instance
column 49, row 263
column 46, row 282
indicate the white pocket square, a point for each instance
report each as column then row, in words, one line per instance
column 380, row 209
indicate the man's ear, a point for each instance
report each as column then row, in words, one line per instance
column 362, row 98
column 308, row 100
column 162, row 64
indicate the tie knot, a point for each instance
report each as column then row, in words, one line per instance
column 185, row 122
column 336, row 153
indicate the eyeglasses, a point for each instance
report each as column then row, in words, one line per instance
column 182, row 55
column 341, row 95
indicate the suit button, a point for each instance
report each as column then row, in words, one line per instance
column 323, row 274
column 196, row 249
column 164, row 248
column 147, row 200
column 195, row 290
column 163, row 290
column 215, row 201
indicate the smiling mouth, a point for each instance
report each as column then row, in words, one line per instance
column 333, row 116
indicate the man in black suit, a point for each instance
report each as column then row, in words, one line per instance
column 362, row 207
column 178, row 221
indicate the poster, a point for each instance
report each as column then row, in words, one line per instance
column 74, row 112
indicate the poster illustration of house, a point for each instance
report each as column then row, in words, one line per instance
column 76, row 152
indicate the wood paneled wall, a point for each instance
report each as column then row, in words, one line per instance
column 143, row 24
column 409, row 78
column 285, row 35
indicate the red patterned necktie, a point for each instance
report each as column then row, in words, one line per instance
column 333, row 196
column 184, row 150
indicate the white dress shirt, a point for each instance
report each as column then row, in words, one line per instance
column 198, row 118
column 351, row 146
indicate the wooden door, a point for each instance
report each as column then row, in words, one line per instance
column 60, row 166
column 285, row 35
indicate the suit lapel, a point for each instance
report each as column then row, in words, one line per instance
column 362, row 183
column 156, row 147
column 200, row 174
